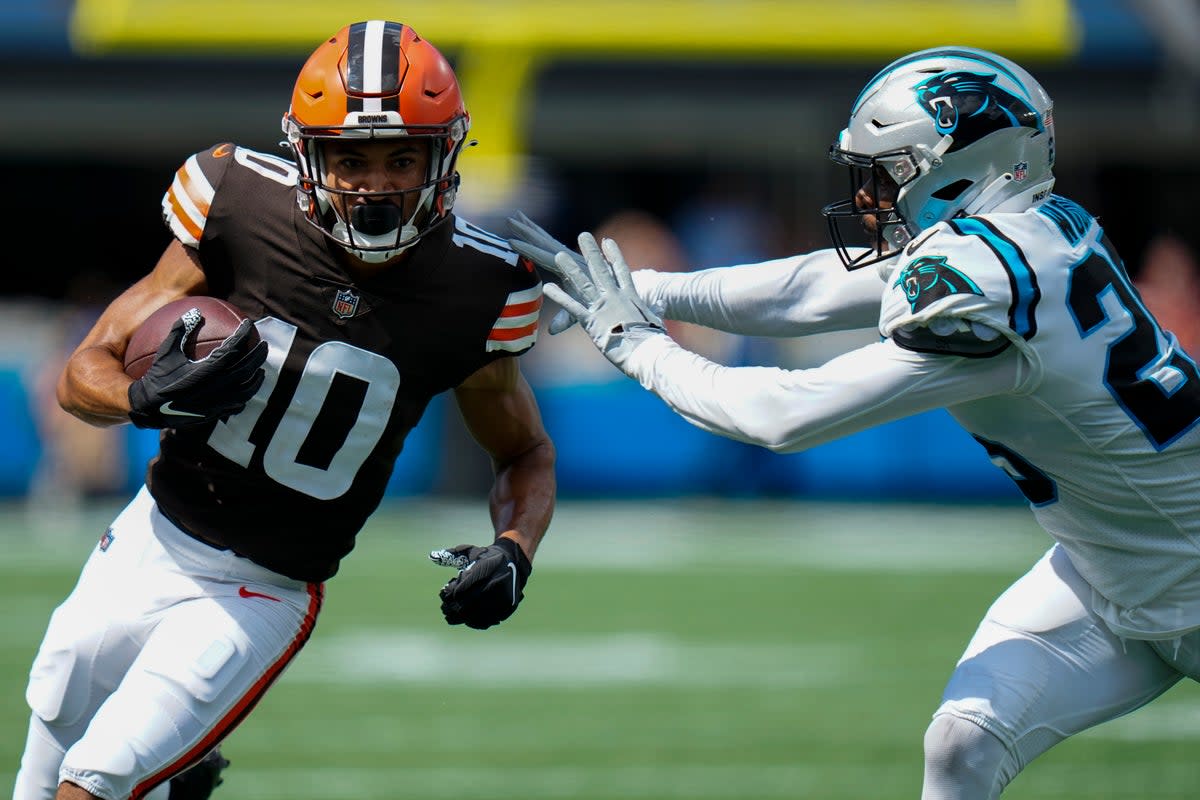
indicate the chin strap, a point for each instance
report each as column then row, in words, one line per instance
column 407, row 238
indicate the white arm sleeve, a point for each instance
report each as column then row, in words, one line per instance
column 791, row 410
column 794, row 296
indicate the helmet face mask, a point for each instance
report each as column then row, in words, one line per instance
column 371, row 81
column 881, row 177
column 957, row 130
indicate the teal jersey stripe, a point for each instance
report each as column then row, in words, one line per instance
column 1021, row 279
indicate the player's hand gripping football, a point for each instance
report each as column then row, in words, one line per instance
column 177, row 392
column 490, row 582
column 598, row 292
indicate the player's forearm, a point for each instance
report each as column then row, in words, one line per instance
column 788, row 411
column 522, row 496
column 94, row 387
column 794, row 296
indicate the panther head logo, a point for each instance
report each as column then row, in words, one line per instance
column 969, row 106
column 930, row 278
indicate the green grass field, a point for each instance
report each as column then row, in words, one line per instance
column 673, row 649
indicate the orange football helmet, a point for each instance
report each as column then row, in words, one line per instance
column 377, row 79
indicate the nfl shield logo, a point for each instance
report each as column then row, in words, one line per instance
column 345, row 303
column 1021, row 171
column 106, row 540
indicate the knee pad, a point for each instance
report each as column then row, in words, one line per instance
column 60, row 685
column 963, row 759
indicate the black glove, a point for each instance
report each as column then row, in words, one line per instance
column 176, row 391
column 198, row 782
column 489, row 585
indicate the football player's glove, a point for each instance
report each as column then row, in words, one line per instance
column 490, row 582
column 601, row 295
column 177, row 392
column 198, row 782
column 532, row 241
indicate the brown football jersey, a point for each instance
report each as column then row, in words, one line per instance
column 290, row 480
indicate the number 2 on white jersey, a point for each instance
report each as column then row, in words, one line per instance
column 1159, row 390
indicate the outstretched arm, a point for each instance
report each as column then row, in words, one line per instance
column 791, row 410
column 794, row 296
column 782, row 410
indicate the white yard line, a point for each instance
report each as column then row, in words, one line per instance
column 390, row 657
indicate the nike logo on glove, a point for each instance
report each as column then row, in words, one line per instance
column 166, row 408
column 513, row 569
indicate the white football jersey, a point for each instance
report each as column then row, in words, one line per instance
column 1026, row 328
column 1103, row 440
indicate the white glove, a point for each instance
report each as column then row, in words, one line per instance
column 645, row 281
column 532, row 241
column 600, row 295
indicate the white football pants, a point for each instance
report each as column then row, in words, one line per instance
column 162, row 648
column 1040, row 668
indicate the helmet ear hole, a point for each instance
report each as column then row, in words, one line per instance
column 952, row 191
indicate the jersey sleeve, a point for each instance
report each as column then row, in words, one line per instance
column 186, row 203
column 787, row 411
column 515, row 330
column 793, row 296
column 965, row 289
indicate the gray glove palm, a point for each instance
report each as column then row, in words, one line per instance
column 596, row 288
column 532, row 241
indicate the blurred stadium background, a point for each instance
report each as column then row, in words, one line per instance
column 694, row 132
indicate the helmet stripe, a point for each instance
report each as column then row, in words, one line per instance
column 373, row 66
column 390, row 73
column 358, row 70
column 372, row 48
column 355, row 67
column 371, row 76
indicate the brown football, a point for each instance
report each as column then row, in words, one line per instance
column 220, row 319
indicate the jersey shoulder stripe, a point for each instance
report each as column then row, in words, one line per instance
column 186, row 202
column 516, row 328
column 189, row 198
column 1022, row 316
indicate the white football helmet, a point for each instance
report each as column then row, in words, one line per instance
column 958, row 131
